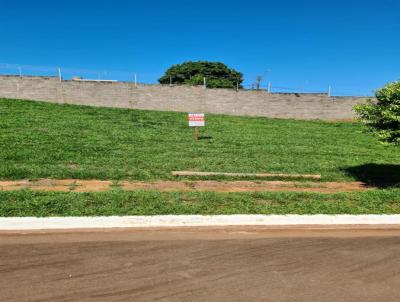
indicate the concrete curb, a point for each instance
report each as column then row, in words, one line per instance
column 34, row 223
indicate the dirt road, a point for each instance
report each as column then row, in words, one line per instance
column 241, row 264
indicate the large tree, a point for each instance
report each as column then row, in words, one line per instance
column 383, row 114
column 217, row 75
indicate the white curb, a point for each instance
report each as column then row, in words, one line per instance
column 34, row 223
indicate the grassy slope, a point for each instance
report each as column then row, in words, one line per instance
column 65, row 141
column 62, row 141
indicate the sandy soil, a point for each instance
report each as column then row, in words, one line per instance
column 211, row 265
column 78, row 185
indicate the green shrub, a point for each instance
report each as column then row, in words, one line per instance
column 383, row 115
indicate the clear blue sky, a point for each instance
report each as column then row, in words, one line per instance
column 354, row 46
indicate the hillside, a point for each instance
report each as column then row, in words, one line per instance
column 50, row 141
column 66, row 141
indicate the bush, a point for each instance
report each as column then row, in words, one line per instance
column 383, row 115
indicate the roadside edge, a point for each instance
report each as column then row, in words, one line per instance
column 167, row 221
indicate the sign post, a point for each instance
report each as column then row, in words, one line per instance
column 196, row 120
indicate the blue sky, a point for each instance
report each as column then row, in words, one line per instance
column 353, row 46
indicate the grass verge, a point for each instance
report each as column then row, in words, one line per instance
column 117, row 202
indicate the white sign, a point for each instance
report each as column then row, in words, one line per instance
column 196, row 120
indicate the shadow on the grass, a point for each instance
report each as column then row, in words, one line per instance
column 379, row 175
column 205, row 137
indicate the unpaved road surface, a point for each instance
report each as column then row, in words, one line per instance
column 249, row 264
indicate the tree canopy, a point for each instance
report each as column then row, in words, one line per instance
column 217, row 75
column 383, row 115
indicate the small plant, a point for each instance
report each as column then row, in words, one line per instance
column 73, row 185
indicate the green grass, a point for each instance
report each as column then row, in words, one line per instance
column 66, row 141
column 118, row 202
column 42, row 140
